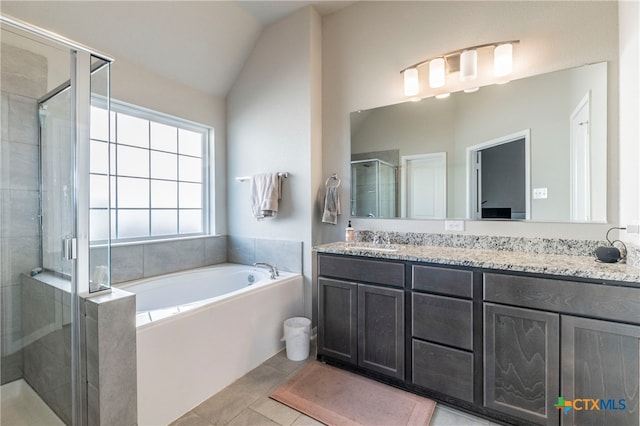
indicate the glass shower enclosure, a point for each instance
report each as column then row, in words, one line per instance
column 52, row 251
column 373, row 188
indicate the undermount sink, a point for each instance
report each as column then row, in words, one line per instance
column 389, row 248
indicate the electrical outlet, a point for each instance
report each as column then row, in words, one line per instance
column 633, row 229
column 454, row 225
column 539, row 193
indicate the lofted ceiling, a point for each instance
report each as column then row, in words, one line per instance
column 202, row 44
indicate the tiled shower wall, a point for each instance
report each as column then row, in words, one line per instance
column 24, row 79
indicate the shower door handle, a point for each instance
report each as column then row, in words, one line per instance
column 69, row 248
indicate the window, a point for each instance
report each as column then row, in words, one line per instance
column 157, row 176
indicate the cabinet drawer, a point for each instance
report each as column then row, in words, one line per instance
column 442, row 319
column 372, row 271
column 446, row 370
column 596, row 300
column 454, row 282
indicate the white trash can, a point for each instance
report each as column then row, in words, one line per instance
column 297, row 333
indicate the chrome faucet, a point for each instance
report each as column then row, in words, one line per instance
column 272, row 268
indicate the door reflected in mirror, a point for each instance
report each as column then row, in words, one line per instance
column 430, row 144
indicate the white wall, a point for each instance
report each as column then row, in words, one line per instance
column 629, row 12
column 367, row 44
column 140, row 86
column 273, row 126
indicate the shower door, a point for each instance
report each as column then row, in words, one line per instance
column 51, row 255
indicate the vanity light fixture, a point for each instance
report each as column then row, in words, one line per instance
column 436, row 73
column 468, row 65
column 503, row 59
column 443, row 95
column 411, row 82
column 471, row 90
column 463, row 60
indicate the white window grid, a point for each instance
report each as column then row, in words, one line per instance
column 118, row 108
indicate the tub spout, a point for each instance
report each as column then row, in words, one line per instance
column 272, row 268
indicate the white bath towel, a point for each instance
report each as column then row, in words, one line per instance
column 265, row 193
column 331, row 208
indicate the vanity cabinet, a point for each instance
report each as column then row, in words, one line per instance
column 502, row 344
column 361, row 313
column 442, row 330
column 532, row 348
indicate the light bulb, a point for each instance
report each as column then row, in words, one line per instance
column 503, row 60
column 411, row 82
column 436, row 73
column 468, row 65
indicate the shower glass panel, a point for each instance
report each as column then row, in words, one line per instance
column 36, row 318
column 47, row 257
column 373, row 188
column 100, row 148
column 57, row 180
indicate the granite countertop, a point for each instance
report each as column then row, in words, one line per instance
column 552, row 264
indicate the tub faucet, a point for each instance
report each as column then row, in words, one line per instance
column 272, row 268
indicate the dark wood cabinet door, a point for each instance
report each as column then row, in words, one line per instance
column 521, row 351
column 338, row 319
column 600, row 361
column 381, row 330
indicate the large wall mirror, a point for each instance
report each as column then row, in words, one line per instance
column 532, row 149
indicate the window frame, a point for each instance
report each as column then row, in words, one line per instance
column 115, row 107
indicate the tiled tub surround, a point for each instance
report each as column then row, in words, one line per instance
column 286, row 254
column 185, row 358
column 571, row 258
column 133, row 261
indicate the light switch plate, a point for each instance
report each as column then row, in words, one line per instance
column 454, row 225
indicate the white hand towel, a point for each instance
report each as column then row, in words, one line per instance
column 331, row 205
column 265, row 193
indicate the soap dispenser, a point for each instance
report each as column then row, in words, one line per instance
column 350, row 233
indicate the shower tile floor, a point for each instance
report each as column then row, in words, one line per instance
column 246, row 402
column 20, row 405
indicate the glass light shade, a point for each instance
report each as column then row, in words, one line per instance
column 411, row 82
column 468, row 65
column 503, row 60
column 436, row 73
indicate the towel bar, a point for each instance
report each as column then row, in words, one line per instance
column 243, row 178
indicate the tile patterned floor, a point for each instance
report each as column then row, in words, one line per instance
column 246, row 402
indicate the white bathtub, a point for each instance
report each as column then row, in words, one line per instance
column 200, row 330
